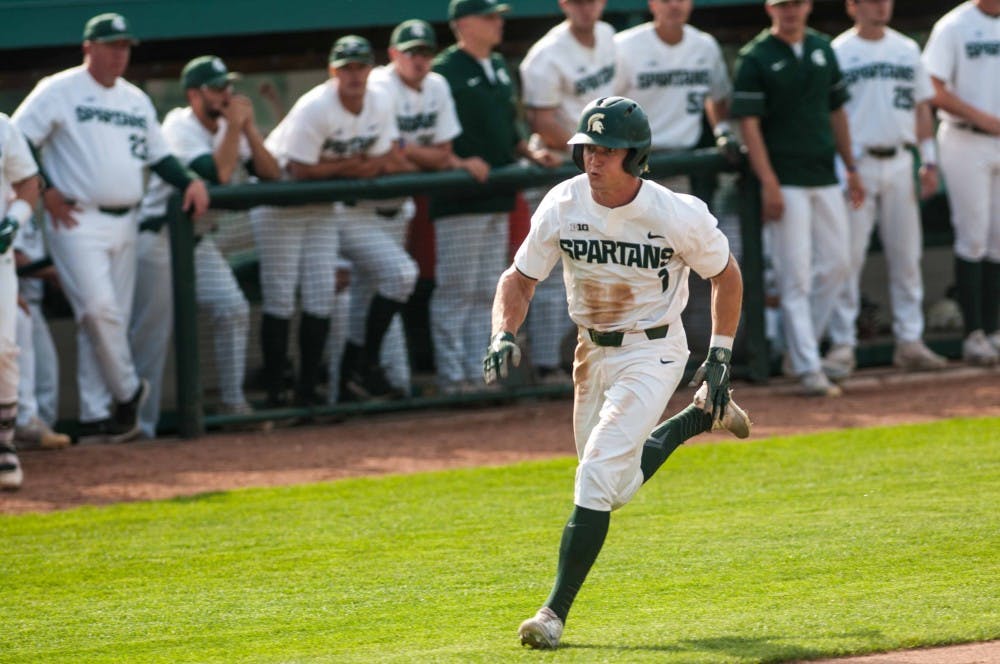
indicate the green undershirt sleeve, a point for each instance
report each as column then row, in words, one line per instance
column 173, row 172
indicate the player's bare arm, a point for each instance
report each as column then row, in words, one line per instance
column 545, row 123
column 510, row 308
column 357, row 166
column 727, row 299
column 541, row 156
column 196, row 198
column 265, row 166
column 772, row 202
column 929, row 180
column 226, row 154
column 842, row 138
column 948, row 101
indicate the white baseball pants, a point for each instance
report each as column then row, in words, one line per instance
column 620, row 395
column 890, row 197
column 8, row 329
column 96, row 263
column 38, row 389
column 811, row 257
column 970, row 163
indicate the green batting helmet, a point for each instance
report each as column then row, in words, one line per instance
column 614, row 122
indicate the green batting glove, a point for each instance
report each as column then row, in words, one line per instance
column 717, row 373
column 501, row 354
column 8, row 230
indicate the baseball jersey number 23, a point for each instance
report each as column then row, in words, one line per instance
column 138, row 147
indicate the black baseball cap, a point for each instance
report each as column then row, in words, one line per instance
column 413, row 34
column 105, row 28
column 351, row 48
column 460, row 8
column 207, row 70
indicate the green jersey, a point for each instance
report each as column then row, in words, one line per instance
column 793, row 97
column 487, row 109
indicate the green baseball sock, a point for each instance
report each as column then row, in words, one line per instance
column 668, row 436
column 969, row 279
column 582, row 540
column 991, row 296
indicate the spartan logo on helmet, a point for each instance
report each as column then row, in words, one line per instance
column 595, row 123
column 118, row 23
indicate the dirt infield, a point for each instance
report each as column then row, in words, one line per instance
column 415, row 442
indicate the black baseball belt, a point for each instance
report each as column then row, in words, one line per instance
column 886, row 151
column 968, row 126
column 615, row 339
column 115, row 211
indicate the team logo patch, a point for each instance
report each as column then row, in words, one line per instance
column 818, row 58
column 118, row 23
column 595, row 123
column 218, row 66
column 418, row 30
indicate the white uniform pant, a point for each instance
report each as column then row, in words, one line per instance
column 471, row 256
column 890, row 196
column 298, row 248
column 96, row 264
column 38, row 389
column 152, row 325
column 620, row 395
column 811, row 262
column 970, row 163
column 548, row 318
column 8, row 329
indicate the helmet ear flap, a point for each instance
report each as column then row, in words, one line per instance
column 578, row 156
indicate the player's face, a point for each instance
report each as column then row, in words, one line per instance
column 352, row 79
column 214, row 100
column 605, row 170
column 482, row 29
column 583, row 14
column 872, row 13
column 670, row 13
column 412, row 65
column 108, row 59
column 790, row 16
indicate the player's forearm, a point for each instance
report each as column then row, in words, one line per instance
column 430, row 157
column 545, row 123
column 265, row 166
column 324, row 170
column 717, row 111
column 28, row 190
column 727, row 300
column 753, row 139
column 510, row 306
column 842, row 137
column 227, row 155
column 948, row 101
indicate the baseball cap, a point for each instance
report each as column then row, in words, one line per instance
column 108, row 28
column 351, row 48
column 413, row 34
column 777, row 2
column 460, row 8
column 207, row 70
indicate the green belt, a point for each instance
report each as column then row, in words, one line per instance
column 614, row 339
column 153, row 224
column 115, row 211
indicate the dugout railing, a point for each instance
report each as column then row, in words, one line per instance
column 752, row 362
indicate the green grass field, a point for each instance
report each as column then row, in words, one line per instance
column 768, row 551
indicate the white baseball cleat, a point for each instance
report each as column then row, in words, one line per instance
column 977, row 349
column 543, row 631
column 816, row 384
column 735, row 420
column 10, row 468
column 916, row 356
column 839, row 363
column 36, row 433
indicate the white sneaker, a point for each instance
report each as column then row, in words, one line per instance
column 542, row 631
column 10, row 469
column 734, row 420
column 994, row 340
column 916, row 356
column 816, row 384
column 37, row 433
column 839, row 362
column 977, row 349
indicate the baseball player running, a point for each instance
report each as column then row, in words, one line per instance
column 626, row 246
column 217, row 138
column 340, row 128
column 888, row 111
column 963, row 58
column 19, row 186
column 96, row 134
column 570, row 65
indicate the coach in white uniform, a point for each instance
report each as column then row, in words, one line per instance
column 217, row 138
column 626, row 246
column 572, row 64
column 97, row 133
column 888, row 112
column 963, row 59
column 19, row 186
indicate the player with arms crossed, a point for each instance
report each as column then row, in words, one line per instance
column 627, row 246
column 17, row 174
column 889, row 109
column 963, row 58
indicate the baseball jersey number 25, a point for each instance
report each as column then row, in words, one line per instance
column 695, row 102
column 138, row 147
column 903, row 98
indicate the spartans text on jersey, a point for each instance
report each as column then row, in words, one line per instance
column 107, row 116
column 629, row 254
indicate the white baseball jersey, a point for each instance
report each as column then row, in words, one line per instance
column 95, row 141
column 561, row 73
column 426, row 116
column 318, row 127
column 886, row 80
column 187, row 139
column 625, row 268
column 671, row 82
column 16, row 161
column 964, row 52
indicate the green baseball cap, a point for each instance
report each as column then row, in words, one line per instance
column 108, row 28
column 207, row 70
column 413, row 34
column 351, row 48
column 777, row 2
column 459, row 8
